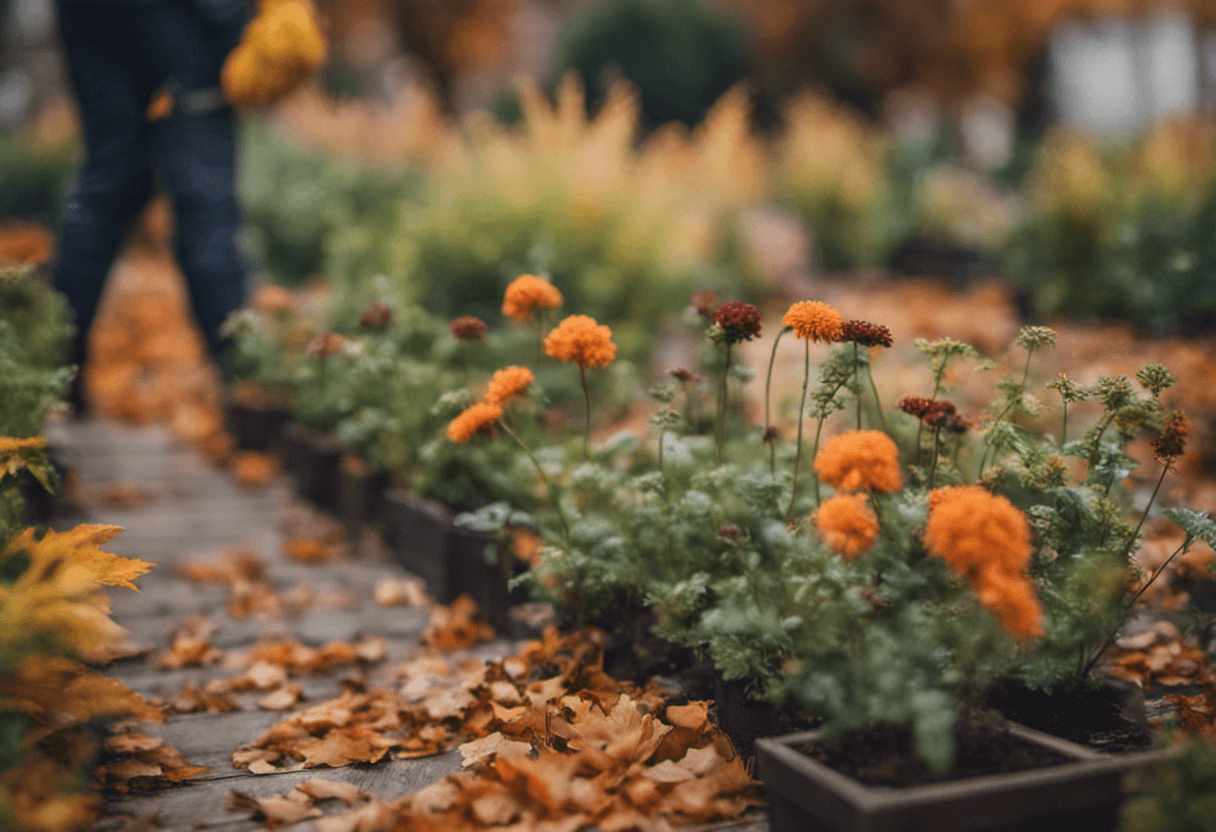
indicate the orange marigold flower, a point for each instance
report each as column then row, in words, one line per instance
column 814, row 320
column 527, row 293
column 273, row 299
column 472, row 419
column 847, row 523
column 581, row 340
column 508, row 383
column 860, row 459
column 323, row 346
column 1013, row 600
column 975, row 530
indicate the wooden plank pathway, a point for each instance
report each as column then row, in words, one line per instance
column 194, row 512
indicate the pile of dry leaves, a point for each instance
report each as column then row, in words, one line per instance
column 550, row 742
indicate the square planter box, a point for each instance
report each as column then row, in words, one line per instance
column 1079, row 796
column 311, row 460
column 360, row 496
column 451, row 560
column 257, row 429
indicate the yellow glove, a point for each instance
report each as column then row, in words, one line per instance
column 279, row 50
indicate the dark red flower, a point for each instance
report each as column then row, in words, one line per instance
column 866, row 334
column 739, row 321
column 468, row 328
column 376, row 315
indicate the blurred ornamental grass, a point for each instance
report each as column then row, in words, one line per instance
column 621, row 228
column 834, row 170
column 1122, row 233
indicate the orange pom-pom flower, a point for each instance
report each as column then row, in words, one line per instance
column 861, row 459
column 472, row 419
column 814, row 320
column 580, row 340
column 508, row 383
column 528, row 293
column 986, row 539
column 847, row 523
column 974, row 530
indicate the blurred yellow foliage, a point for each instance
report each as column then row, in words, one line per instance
column 57, row 594
column 279, row 50
column 1070, row 178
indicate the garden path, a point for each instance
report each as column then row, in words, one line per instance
column 183, row 510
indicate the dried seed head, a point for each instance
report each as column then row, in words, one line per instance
column 1172, row 441
column 771, row 434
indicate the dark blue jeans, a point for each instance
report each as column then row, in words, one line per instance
column 119, row 54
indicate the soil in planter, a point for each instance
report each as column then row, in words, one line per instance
column 1096, row 716
column 883, row 754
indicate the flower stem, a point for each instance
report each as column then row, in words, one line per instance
column 557, row 504
column 857, row 380
column 937, row 432
column 806, row 378
column 1132, row 542
column 1009, row 406
column 768, row 386
column 582, row 375
column 722, row 403
column 1064, row 429
column 882, row 418
column 1101, row 648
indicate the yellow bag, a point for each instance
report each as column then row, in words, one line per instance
column 279, row 50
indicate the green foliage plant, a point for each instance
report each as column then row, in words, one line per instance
column 1123, row 233
column 868, row 620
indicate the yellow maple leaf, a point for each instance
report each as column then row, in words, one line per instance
column 56, row 592
column 29, row 453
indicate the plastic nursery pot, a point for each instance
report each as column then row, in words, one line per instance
column 311, row 460
column 1082, row 793
column 257, row 429
column 360, row 496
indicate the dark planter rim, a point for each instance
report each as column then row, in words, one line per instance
column 862, row 800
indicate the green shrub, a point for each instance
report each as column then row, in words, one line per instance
column 33, row 182
column 298, row 202
column 1122, row 235
column 681, row 55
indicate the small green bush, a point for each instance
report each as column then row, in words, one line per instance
column 681, row 55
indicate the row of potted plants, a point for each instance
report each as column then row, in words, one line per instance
column 886, row 574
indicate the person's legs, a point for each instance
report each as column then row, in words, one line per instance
column 196, row 156
column 115, row 181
